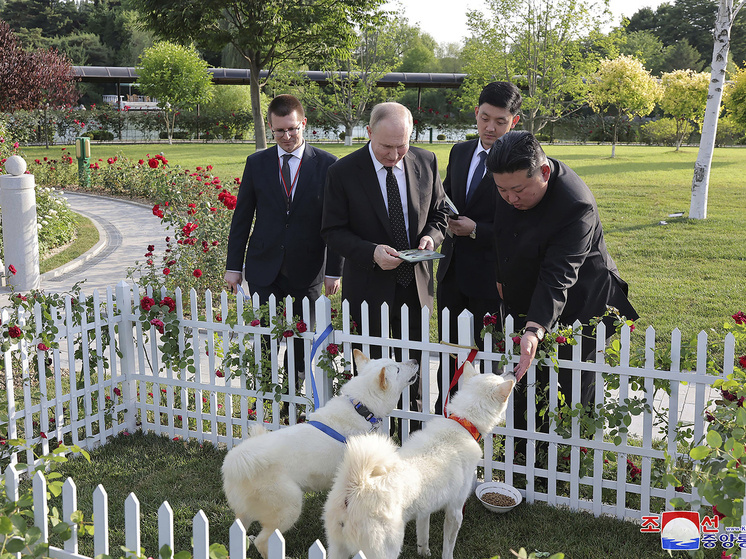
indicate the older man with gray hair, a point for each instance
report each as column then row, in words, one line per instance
column 380, row 199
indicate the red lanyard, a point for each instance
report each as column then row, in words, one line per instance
column 289, row 192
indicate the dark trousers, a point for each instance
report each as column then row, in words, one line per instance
column 565, row 380
column 281, row 288
column 452, row 298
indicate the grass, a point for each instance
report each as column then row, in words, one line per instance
column 86, row 237
column 187, row 475
column 688, row 274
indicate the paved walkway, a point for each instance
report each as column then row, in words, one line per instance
column 125, row 229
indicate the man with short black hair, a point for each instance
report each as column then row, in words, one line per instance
column 466, row 276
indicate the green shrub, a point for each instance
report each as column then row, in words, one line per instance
column 441, row 137
column 661, row 132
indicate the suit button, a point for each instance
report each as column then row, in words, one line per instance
column 287, row 225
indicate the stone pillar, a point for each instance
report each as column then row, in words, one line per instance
column 20, row 235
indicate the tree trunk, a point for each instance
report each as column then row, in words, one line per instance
column 701, row 180
column 348, row 134
column 613, row 137
column 260, row 134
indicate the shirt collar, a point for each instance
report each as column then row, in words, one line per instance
column 297, row 153
column 378, row 165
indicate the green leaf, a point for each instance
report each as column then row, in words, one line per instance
column 6, row 526
column 15, row 545
column 714, row 439
column 699, row 452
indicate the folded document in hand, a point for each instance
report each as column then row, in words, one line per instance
column 419, row 255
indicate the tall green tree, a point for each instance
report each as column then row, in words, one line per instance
column 622, row 86
column 684, row 97
column 537, row 44
column 177, row 77
column 266, row 33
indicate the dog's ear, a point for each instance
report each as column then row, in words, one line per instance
column 361, row 360
column 382, row 381
column 504, row 389
column 469, row 370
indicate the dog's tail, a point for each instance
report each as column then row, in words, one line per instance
column 365, row 495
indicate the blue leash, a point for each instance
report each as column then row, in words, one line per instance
column 328, row 430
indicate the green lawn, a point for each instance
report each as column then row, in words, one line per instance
column 686, row 274
column 187, row 475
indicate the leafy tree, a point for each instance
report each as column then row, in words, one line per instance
column 177, row 77
column 681, row 56
column 646, row 47
column 265, row 32
column 727, row 12
column 32, row 80
column 622, row 86
column 537, row 44
column 55, row 18
column 735, row 97
column 684, row 98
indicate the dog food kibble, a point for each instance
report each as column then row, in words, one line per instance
column 498, row 499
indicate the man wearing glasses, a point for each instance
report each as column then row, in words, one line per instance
column 282, row 195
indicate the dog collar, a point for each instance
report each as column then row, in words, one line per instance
column 328, row 430
column 468, row 425
column 365, row 413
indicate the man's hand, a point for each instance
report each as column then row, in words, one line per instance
column 233, row 279
column 331, row 285
column 426, row 243
column 387, row 257
column 462, row 226
column 529, row 345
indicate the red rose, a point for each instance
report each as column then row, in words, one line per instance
column 158, row 324
column 12, row 269
column 560, row 340
column 151, row 248
column 146, row 303
column 301, row 326
column 166, row 271
column 168, row 302
column 740, row 317
column 15, row 332
column 157, row 211
column 742, row 361
column 141, row 161
column 255, row 322
column 516, row 340
column 219, row 373
column 117, row 392
column 42, row 347
column 332, row 349
column 197, row 273
column 153, row 163
column 288, row 334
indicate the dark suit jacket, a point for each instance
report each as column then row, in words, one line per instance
column 355, row 221
column 475, row 264
column 552, row 259
column 277, row 236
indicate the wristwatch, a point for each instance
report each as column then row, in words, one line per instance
column 473, row 234
column 538, row 330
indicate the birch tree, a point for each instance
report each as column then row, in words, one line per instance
column 727, row 11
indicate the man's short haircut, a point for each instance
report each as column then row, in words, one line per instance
column 517, row 150
column 502, row 94
column 384, row 111
column 283, row 105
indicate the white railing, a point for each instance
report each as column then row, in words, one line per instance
column 237, row 546
column 83, row 399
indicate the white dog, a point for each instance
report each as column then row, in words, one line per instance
column 265, row 476
column 379, row 488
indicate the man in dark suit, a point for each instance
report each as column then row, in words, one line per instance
column 466, row 276
column 552, row 263
column 283, row 188
column 380, row 199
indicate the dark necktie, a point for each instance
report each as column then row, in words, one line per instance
column 287, row 186
column 405, row 270
column 477, row 177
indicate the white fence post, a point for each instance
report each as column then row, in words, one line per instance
column 41, row 507
column 201, row 536
column 323, row 319
column 132, row 524
column 166, row 527
column 100, row 522
column 276, row 546
column 128, row 363
column 316, row 551
column 237, row 539
column 20, row 235
column 69, row 506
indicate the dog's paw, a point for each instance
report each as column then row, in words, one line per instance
column 424, row 551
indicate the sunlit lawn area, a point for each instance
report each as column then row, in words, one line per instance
column 687, row 274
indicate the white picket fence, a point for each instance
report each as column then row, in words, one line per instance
column 81, row 400
column 200, row 524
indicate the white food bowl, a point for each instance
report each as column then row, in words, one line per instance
column 498, row 487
